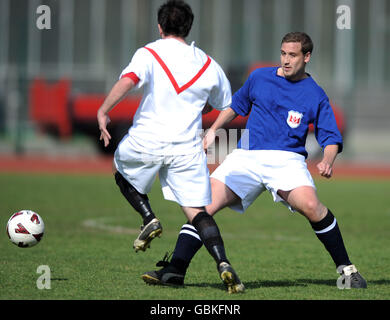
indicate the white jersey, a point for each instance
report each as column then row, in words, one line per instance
column 177, row 80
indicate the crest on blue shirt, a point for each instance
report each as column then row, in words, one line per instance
column 294, row 119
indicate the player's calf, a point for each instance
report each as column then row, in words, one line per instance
column 328, row 232
column 211, row 238
column 209, row 234
column 151, row 227
column 139, row 201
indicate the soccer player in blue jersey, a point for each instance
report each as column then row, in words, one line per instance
column 281, row 103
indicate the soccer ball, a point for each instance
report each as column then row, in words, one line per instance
column 25, row 228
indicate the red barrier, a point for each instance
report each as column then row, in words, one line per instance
column 49, row 105
column 85, row 107
column 52, row 107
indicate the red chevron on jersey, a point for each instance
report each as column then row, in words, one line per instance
column 171, row 77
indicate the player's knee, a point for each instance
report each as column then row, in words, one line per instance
column 222, row 196
column 312, row 210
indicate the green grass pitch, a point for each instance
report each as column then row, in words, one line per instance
column 90, row 229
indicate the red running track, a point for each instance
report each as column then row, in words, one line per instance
column 102, row 165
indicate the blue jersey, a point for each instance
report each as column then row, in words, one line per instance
column 281, row 111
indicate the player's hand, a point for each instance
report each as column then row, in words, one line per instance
column 325, row 169
column 104, row 120
column 208, row 139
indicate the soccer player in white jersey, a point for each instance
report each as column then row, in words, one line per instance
column 282, row 102
column 178, row 81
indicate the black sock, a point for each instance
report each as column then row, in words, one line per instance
column 328, row 232
column 187, row 245
column 139, row 201
column 209, row 234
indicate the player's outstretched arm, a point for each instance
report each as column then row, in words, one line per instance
column 326, row 164
column 223, row 118
column 117, row 93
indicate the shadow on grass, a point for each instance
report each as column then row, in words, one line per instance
column 59, row 279
column 286, row 283
column 333, row 282
column 255, row 284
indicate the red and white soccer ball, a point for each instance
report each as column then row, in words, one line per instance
column 25, row 228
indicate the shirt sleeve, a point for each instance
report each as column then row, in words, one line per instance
column 241, row 102
column 140, row 66
column 221, row 94
column 326, row 130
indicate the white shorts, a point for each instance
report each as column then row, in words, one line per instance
column 184, row 178
column 250, row 172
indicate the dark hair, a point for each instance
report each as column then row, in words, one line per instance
column 175, row 18
column 303, row 38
